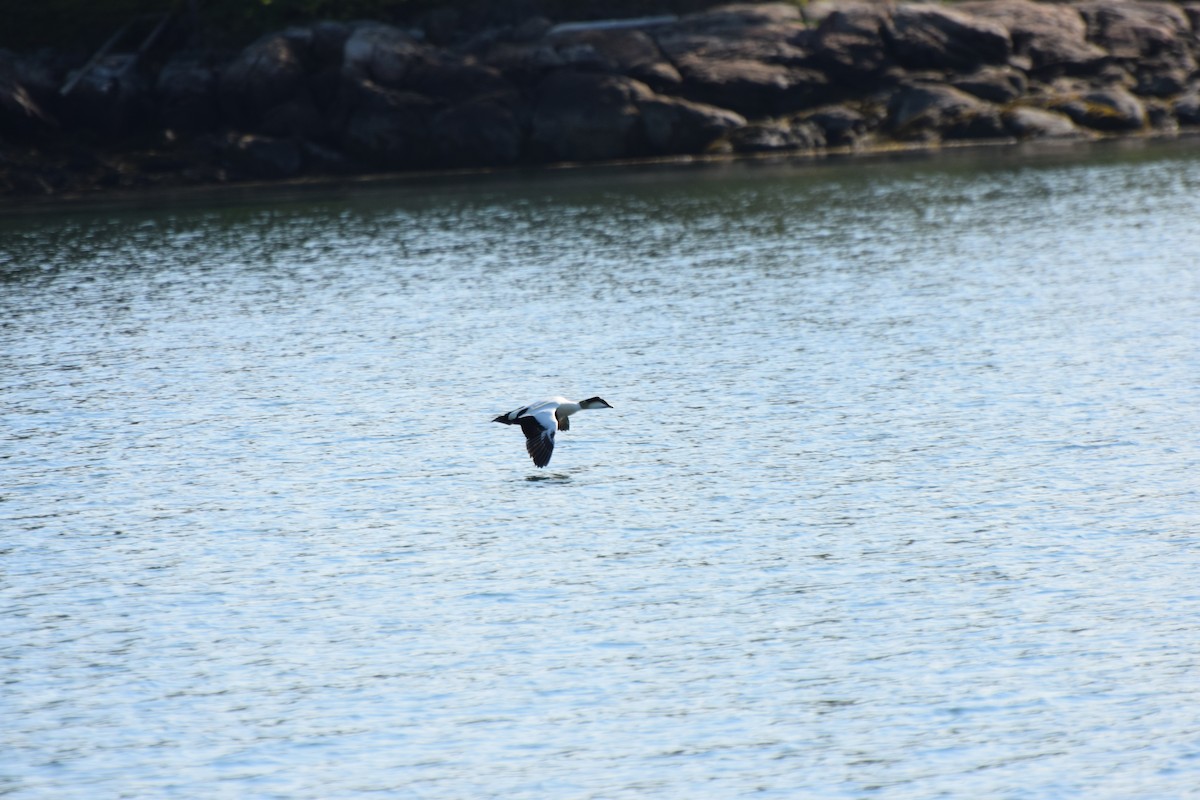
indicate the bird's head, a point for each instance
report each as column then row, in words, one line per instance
column 594, row 402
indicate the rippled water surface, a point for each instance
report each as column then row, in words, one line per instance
column 898, row 497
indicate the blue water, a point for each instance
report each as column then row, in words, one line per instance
column 898, row 497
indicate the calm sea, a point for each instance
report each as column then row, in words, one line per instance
column 898, row 496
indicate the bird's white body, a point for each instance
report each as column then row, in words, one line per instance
column 539, row 421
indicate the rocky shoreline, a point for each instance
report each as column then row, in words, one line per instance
column 342, row 99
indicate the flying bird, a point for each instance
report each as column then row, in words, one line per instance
column 539, row 421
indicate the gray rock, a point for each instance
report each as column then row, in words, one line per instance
column 842, row 126
column 588, row 116
column 632, row 53
column 477, row 133
column 752, row 88
column 381, row 53
column 1154, row 40
column 723, row 37
column 1187, row 108
column 268, row 73
column 752, row 59
column 925, row 36
column 449, row 78
column 522, row 63
column 995, row 84
column 1112, row 109
column 328, row 41
column 186, row 90
column 387, row 127
column 942, row 112
column 776, row 136
column 1137, row 30
column 1160, row 116
column 1155, row 79
column 1026, row 122
column 1051, row 36
column 673, row 125
column 755, row 77
column 850, row 43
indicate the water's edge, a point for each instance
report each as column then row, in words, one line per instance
column 867, row 157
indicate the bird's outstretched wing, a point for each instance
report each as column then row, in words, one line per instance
column 539, row 436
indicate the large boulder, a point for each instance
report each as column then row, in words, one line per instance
column 328, row 39
column 632, row 53
column 266, row 74
column 674, row 125
column 1027, row 122
column 382, row 54
column 850, row 43
column 452, row 79
column 581, row 116
column 935, row 111
column 772, row 33
column 407, row 104
column 925, row 36
column 1160, row 116
column 995, row 84
column 751, row 87
column 1187, row 108
column 1133, row 30
column 525, row 62
column 752, row 59
column 1111, row 109
column 477, row 133
column 386, row 127
column 841, row 125
column 778, row 135
column 1154, row 40
column 186, row 91
column 1050, row 36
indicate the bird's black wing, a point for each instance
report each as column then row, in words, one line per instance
column 539, row 441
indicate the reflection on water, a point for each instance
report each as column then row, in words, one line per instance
column 898, row 494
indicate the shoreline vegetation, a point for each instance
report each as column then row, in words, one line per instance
column 164, row 103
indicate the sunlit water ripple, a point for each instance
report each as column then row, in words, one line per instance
column 898, row 496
